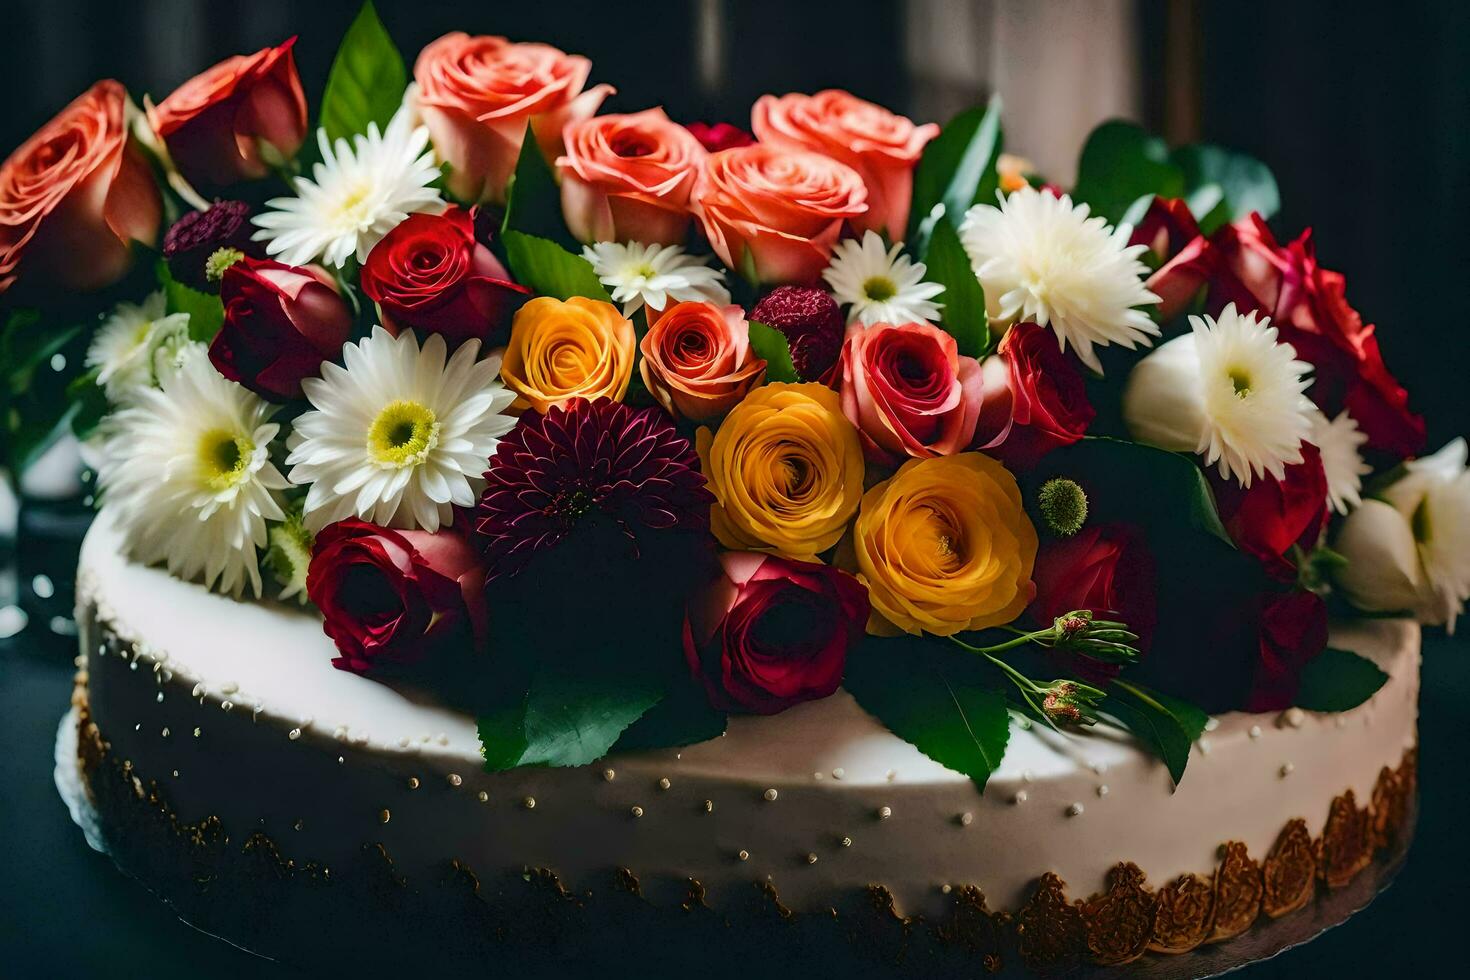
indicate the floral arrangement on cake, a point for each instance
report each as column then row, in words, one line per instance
column 605, row 426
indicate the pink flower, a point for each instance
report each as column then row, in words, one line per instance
column 697, row 360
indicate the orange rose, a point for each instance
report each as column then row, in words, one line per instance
column 697, row 360
column 628, row 178
column 775, row 214
column 75, row 195
column 476, row 95
column 228, row 123
column 881, row 146
column 581, row 348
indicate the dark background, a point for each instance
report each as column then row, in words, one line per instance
column 1362, row 111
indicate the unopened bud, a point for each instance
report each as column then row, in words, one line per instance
column 1063, row 506
column 215, row 266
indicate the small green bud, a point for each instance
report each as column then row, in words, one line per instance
column 222, row 259
column 1063, row 506
column 289, row 555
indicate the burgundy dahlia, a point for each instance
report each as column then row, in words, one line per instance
column 196, row 236
column 583, row 463
column 811, row 321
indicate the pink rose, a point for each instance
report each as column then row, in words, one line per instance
column 697, row 360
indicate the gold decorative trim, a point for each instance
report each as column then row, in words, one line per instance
column 1289, row 871
column 1120, row 921
column 1184, row 915
column 1237, row 893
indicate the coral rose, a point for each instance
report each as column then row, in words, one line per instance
column 774, row 214
column 881, row 146
column 697, row 360
column 944, row 546
column 75, row 196
column 787, row 470
column 477, row 95
column 1049, row 406
column 581, row 348
column 231, row 122
column 628, row 178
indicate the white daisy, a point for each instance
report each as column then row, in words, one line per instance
column 654, row 275
column 1041, row 258
column 879, row 284
column 355, row 196
column 398, row 437
column 187, row 469
column 1229, row 391
column 1340, row 441
column 127, row 346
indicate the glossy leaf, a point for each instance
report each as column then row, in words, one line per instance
column 566, row 718
column 1167, row 725
column 1246, row 183
column 1336, row 680
column 551, row 270
column 956, row 170
column 206, row 312
column 770, row 344
column 1121, row 163
column 683, row 718
column 533, row 201
column 367, row 79
column 963, row 315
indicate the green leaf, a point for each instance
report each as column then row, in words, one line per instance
column 206, row 312
column 566, row 718
column 91, row 403
column 964, row 315
column 28, row 344
column 367, row 79
column 933, row 699
column 956, row 170
column 1336, row 680
column 683, row 718
column 1167, row 725
column 1246, row 183
column 550, row 270
column 770, row 344
column 533, row 201
column 1120, row 163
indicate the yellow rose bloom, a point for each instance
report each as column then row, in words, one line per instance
column 786, row 469
column 580, row 348
column 944, row 546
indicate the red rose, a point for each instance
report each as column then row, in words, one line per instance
column 1106, row 568
column 234, row 120
column 430, row 273
column 1293, row 631
column 1185, row 257
column 771, row 632
column 719, row 136
column 391, row 598
column 1049, row 406
column 281, row 323
column 1270, row 517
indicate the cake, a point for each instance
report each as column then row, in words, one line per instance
column 548, row 539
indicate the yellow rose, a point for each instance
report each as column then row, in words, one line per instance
column 581, row 348
column 944, row 546
column 786, row 469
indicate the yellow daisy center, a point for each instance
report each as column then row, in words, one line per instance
column 879, row 289
column 224, row 458
column 403, row 434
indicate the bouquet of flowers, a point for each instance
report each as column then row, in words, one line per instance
column 605, row 426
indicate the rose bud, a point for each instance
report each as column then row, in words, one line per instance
column 281, row 322
column 771, row 632
column 1049, row 406
column 909, row 392
column 75, row 196
column 236, row 120
column 811, row 321
column 697, row 360
column 1293, row 631
column 191, row 244
column 430, row 273
column 719, row 136
column 1272, row 516
column 628, row 178
column 392, row 598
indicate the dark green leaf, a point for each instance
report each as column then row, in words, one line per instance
column 206, row 312
column 1134, row 479
column 367, row 79
column 1336, row 680
column 683, row 718
column 1120, row 163
column 770, row 344
column 1247, row 183
column 957, row 170
column 551, row 270
column 1168, row 726
column 533, row 201
column 964, row 315
column 565, row 719
column 91, row 403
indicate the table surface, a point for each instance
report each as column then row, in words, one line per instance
column 65, row 911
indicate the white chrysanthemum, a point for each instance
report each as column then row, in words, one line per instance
column 1041, row 258
column 1340, row 440
column 878, row 284
column 398, row 437
column 1227, row 390
column 654, row 275
column 358, row 193
column 131, row 343
column 187, row 470
column 1411, row 549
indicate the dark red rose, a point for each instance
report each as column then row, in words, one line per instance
column 1049, row 406
column 1184, row 256
column 719, row 136
column 391, row 598
column 811, row 321
column 196, row 236
column 281, row 323
column 1293, row 631
column 429, row 273
column 771, row 632
column 1106, row 568
column 1270, row 517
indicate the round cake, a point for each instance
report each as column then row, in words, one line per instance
column 249, row 783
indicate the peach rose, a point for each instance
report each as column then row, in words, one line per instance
column 75, row 196
column 697, row 360
column 776, row 213
column 880, row 146
column 476, row 95
column 228, row 123
column 581, row 348
column 628, row 178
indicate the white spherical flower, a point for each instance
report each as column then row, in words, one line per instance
column 878, row 284
column 132, row 342
column 358, row 193
column 654, row 275
column 186, row 468
column 1227, row 390
column 1340, row 441
column 398, row 436
column 1410, row 550
column 1041, row 258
